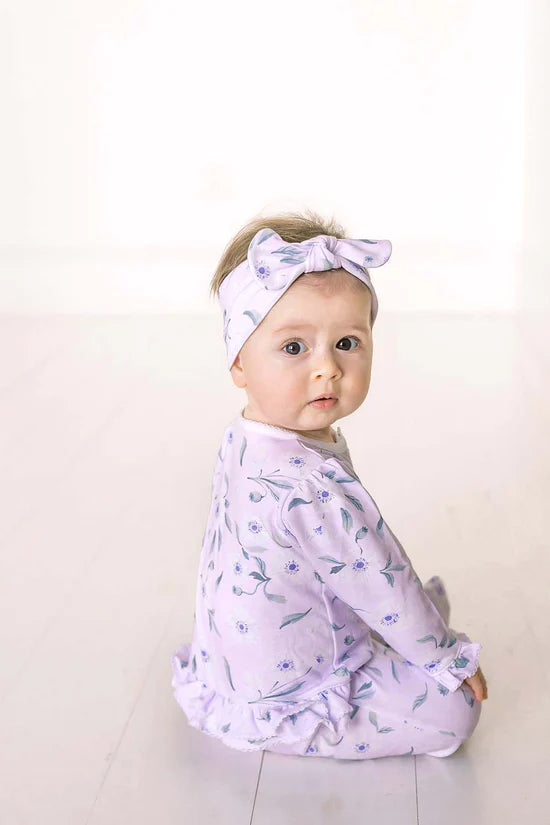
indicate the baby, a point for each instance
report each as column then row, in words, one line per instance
column 313, row 634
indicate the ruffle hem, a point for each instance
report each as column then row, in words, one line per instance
column 247, row 727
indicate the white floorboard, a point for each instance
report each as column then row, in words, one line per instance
column 109, row 429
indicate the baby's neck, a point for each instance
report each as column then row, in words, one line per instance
column 319, row 435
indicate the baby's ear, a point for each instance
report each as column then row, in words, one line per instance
column 237, row 373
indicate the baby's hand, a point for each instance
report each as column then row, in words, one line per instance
column 478, row 684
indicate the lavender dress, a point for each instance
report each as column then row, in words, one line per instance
column 313, row 634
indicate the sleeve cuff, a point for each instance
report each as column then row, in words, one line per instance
column 463, row 665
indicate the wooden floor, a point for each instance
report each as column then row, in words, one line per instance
column 109, row 429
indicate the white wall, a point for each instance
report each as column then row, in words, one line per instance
column 137, row 137
column 534, row 275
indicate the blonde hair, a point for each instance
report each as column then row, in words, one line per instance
column 293, row 227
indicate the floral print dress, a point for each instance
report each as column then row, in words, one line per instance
column 313, row 634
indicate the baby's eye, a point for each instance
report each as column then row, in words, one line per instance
column 290, row 344
column 350, row 338
column 297, row 343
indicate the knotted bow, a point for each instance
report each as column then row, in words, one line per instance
column 274, row 261
column 272, row 265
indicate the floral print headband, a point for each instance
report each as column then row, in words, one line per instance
column 250, row 290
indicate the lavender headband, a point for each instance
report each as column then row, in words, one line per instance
column 248, row 293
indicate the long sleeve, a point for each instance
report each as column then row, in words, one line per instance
column 339, row 528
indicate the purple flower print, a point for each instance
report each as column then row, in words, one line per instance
column 262, row 270
column 324, row 496
column 389, row 619
column 255, row 527
column 242, row 627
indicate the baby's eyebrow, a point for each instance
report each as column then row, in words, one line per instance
column 298, row 325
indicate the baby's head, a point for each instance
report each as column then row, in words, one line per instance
column 316, row 339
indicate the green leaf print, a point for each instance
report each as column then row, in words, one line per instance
column 394, row 672
column 271, row 481
column 243, row 448
column 257, row 549
column 218, row 580
column 374, row 720
column 374, row 670
column 361, row 532
column 347, row 520
column 228, row 672
column 389, row 566
column 338, row 565
column 366, row 691
column 296, row 501
column 211, row 621
column 274, row 597
column 263, row 579
column 279, row 541
column 430, row 638
column 448, row 732
column 277, row 694
column 333, row 744
column 294, row 617
column 420, row 699
column 267, row 233
column 355, row 502
column 254, row 316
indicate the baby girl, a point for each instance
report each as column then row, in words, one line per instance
column 313, row 634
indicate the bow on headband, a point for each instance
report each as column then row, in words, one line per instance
column 249, row 292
